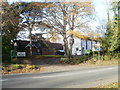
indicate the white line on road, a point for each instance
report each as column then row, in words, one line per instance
column 74, row 73
column 3, row 80
column 98, row 70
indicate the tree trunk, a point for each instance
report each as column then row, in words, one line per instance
column 71, row 37
column 71, row 44
column 66, row 49
column 30, row 41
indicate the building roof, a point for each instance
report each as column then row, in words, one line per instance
column 56, row 46
column 83, row 37
column 39, row 44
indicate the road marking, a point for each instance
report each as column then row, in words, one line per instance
column 51, row 76
column 74, row 73
column 110, row 68
column 100, row 70
column 3, row 80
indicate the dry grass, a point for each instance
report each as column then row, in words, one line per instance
column 111, row 85
column 20, row 68
column 101, row 62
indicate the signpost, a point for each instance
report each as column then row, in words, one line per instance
column 15, row 54
column 96, row 47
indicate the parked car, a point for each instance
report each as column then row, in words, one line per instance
column 60, row 52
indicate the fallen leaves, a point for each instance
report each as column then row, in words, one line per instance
column 19, row 68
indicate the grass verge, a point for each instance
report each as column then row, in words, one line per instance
column 111, row 85
column 20, row 68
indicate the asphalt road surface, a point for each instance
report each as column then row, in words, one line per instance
column 82, row 78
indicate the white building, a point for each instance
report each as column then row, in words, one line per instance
column 80, row 45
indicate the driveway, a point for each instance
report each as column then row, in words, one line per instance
column 49, row 61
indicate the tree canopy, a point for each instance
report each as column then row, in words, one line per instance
column 112, row 38
column 66, row 16
column 9, row 26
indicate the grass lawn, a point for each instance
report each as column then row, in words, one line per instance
column 109, row 62
column 43, row 56
column 111, row 86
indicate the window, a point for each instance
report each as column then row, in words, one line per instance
column 76, row 49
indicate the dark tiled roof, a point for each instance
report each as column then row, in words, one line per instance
column 41, row 44
column 25, row 44
column 57, row 46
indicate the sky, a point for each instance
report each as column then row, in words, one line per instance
column 100, row 13
column 100, row 8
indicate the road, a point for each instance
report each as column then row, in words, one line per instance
column 82, row 78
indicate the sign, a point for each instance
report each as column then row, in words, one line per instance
column 93, row 48
column 86, row 52
column 96, row 47
column 21, row 54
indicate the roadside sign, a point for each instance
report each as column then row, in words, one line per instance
column 21, row 54
column 96, row 47
column 93, row 48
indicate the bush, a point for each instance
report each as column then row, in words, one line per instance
column 76, row 59
column 116, row 55
column 6, row 47
column 6, row 58
column 64, row 60
column 17, row 66
column 81, row 59
column 112, row 55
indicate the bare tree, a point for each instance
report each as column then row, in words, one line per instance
column 67, row 16
column 31, row 17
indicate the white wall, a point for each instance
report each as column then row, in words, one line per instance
column 77, row 44
column 84, row 44
column 88, row 45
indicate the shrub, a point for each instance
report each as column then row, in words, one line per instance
column 64, row 60
column 16, row 66
column 116, row 55
column 81, row 59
